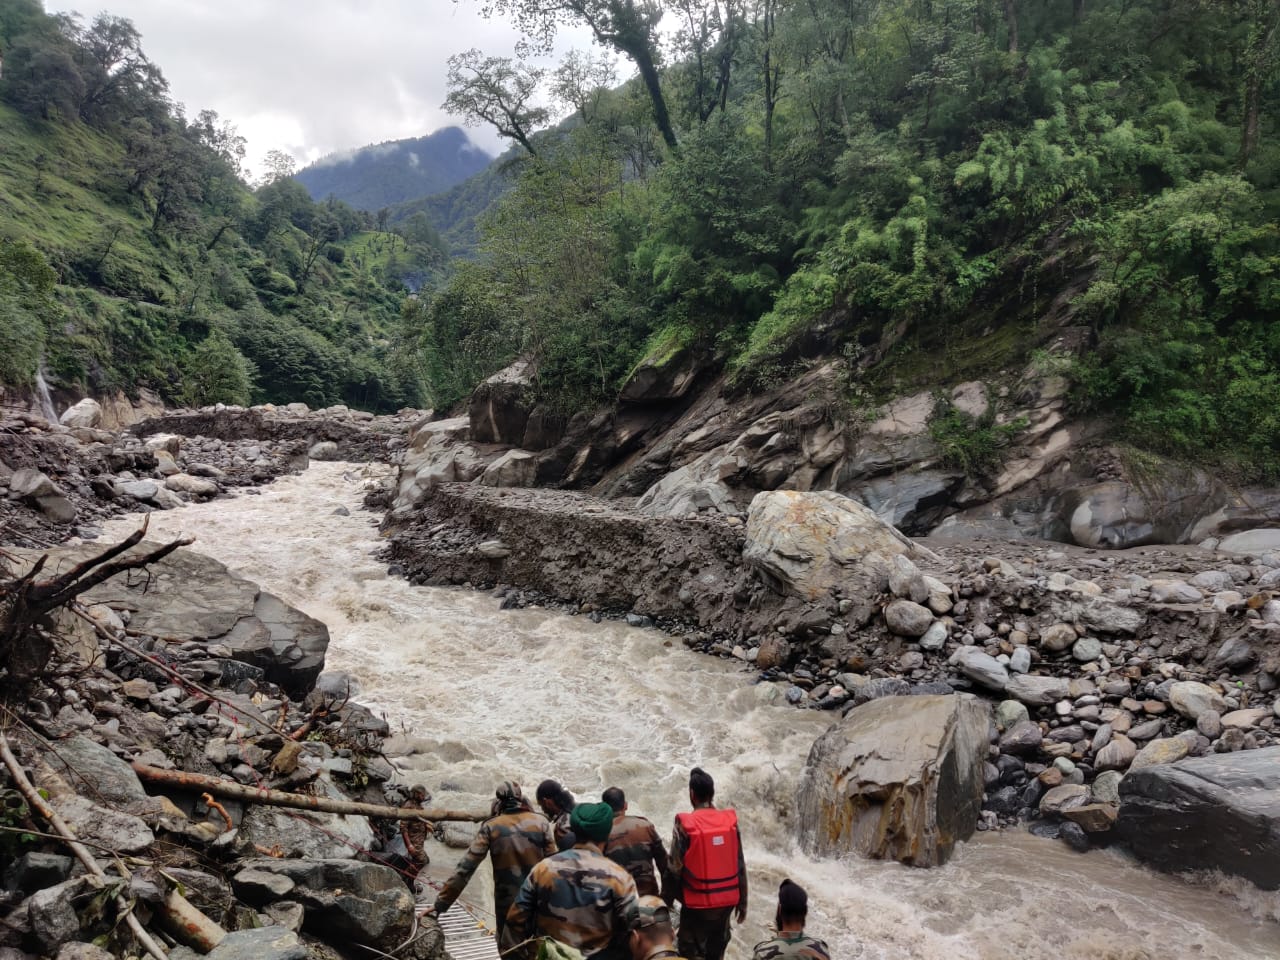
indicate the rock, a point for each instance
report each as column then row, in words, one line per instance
column 196, row 486
column 82, row 951
column 259, row 943
column 86, row 414
column 1116, row 755
column 693, row 488
column 325, row 450
column 145, row 490
column 1216, row 812
column 1009, row 713
column 493, row 550
column 982, row 669
column 898, row 778
column 1106, row 786
column 1020, row 660
column 1096, row 614
column 32, row 484
column 1058, row 637
column 1174, row 591
column 1093, row 817
column 1166, row 750
column 638, row 620
column 346, row 900
column 774, row 651
column 907, row 619
column 1145, row 731
column 1069, row 795
column 1086, row 650
column 287, row 914
column 500, row 407
column 1236, row 653
column 35, row 870
column 51, row 914
column 258, row 887
column 1036, row 691
column 906, row 581
column 1251, row 541
column 1212, row 581
column 515, row 468
column 809, row 543
column 1191, row 699
column 1209, row 723
column 108, row 828
column 268, row 827
column 171, row 443
column 80, row 759
column 1244, row 719
column 935, row 638
column 1021, row 740
column 57, row 508
column 1074, row 836
column 666, row 373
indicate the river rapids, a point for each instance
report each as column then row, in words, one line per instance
column 479, row 695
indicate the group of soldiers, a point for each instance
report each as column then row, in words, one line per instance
column 599, row 880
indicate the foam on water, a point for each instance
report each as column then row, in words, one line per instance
column 480, row 695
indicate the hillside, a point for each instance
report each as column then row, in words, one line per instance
column 385, row 174
column 132, row 255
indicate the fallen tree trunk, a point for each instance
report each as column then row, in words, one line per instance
column 298, row 801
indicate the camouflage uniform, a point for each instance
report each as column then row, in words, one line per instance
column 579, row 897
column 514, row 842
column 791, row 946
column 415, row 833
column 703, row 934
column 565, row 838
column 635, row 846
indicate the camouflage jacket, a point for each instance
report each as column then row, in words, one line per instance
column 514, row 842
column 564, row 835
column 414, row 832
column 791, row 947
column 635, row 846
column 579, row 897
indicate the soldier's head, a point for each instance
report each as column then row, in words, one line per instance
column 615, row 798
column 419, row 794
column 509, row 798
column 702, row 789
column 592, row 822
column 652, row 930
column 553, row 798
column 793, row 906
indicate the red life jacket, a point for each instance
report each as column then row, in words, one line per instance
column 710, row 875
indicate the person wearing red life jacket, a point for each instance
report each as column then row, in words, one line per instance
column 707, row 872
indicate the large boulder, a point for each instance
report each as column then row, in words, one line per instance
column 809, row 543
column 666, row 373
column 695, row 487
column 1219, row 812
column 346, row 900
column 80, row 759
column 500, row 406
column 311, row 835
column 515, row 468
column 86, row 414
column 899, row 778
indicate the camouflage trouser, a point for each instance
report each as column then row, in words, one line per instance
column 703, row 934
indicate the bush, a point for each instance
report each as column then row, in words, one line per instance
column 216, row 372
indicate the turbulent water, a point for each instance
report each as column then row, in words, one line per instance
column 483, row 695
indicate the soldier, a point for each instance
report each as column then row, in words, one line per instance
column 653, row 938
column 634, row 845
column 415, row 833
column 515, row 838
column 579, row 897
column 791, row 943
column 707, row 872
column 557, row 803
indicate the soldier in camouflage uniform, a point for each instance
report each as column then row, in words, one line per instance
column 557, row 803
column 415, row 833
column 579, row 897
column 634, row 845
column 791, row 943
column 515, row 838
column 653, row 938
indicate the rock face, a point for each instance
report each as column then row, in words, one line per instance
column 809, row 543
column 1218, row 812
column 899, row 778
column 500, row 407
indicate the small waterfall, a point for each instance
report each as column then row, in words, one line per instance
column 46, row 402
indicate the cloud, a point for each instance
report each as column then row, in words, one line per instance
column 317, row 77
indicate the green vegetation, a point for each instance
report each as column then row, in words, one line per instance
column 972, row 444
column 132, row 254
column 933, row 190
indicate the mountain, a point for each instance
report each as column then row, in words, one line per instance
column 454, row 212
column 388, row 173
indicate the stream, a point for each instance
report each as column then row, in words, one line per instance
column 478, row 695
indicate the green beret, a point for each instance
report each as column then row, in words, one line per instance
column 592, row 821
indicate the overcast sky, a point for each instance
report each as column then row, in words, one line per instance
column 314, row 76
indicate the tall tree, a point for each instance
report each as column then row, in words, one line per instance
column 580, row 81
column 708, row 42
column 627, row 26
column 496, row 91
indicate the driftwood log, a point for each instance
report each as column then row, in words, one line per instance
column 198, row 782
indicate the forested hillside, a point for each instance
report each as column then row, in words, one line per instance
column 930, row 189
column 384, row 174
column 132, row 254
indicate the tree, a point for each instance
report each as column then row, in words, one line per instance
column 493, row 90
column 1261, row 55
column 708, row 41
column 627, row 26
column 27, row 309
column 216, row 372
column 119, row 79
column 42, row 79
column 323, row 231
column 278, row 166
column 580, row 81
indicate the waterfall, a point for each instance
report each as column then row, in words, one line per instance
column 46, row 402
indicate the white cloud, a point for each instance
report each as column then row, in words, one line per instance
column 315, row 77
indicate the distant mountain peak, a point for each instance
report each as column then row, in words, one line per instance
column 395, row 171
